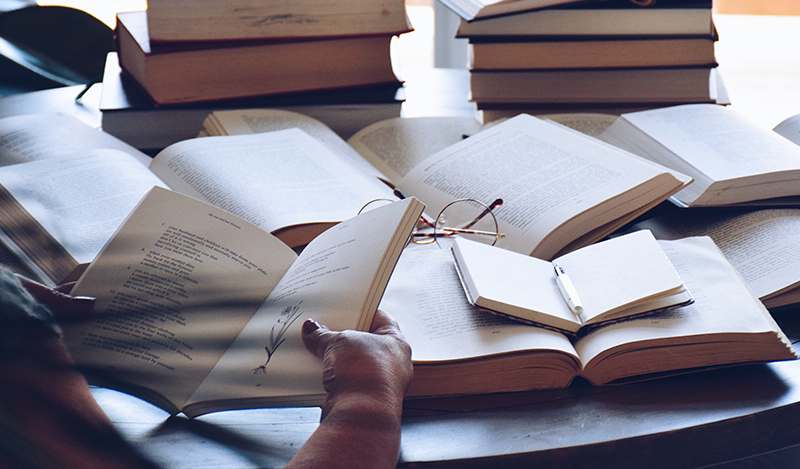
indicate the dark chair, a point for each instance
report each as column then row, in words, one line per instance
column 45, row 47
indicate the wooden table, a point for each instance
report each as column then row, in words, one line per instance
column 745, row 416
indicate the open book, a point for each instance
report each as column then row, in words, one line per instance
column 763, row 245
column 46, row 143
column 610, row 280
column 58, row 210
column 202, row 310
column 458, row 349
column 294, row 177
column 470, row 10
column 731, row 159
column 561, row 189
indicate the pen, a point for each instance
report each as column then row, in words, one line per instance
column 567, row 290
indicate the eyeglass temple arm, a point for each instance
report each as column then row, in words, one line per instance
column 492, row 206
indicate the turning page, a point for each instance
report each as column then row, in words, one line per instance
column 182, row 281
column 338, row 280
column 176, row 285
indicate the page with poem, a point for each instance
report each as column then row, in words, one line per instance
column 174, row 287
column 272, row 180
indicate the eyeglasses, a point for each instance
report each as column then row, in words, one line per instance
column 466, row 218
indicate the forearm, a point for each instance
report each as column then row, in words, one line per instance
column 48, row 415
column 359, row 431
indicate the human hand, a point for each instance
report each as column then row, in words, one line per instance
column 58, row 300
column 43, row 397
column 365, row 375
column 29, row 317
column 375, row 364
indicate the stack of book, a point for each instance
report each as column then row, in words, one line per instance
column 602, row 56
column 203, row 52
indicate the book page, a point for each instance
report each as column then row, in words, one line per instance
column 789, row 128
column 546, row 176
column 337, row 280
column 718, row 141
column 426, row 298
column 589, row 123
column 458, row 348
column 725, row 312
column 80, row 199
column 272, row 180
column 762, row 245
column 513, row 283
column 175, row 286
column 394, row 146
column 620, row 273
column 39, row 136
column 255, row 121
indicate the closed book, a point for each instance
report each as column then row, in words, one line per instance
column 187, row 20
column 603, row 53
column 128, row 113
column 619, row 85
column 590, row 118
column 611, row 18
column 185, row 74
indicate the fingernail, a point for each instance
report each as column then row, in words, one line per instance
column 311, row 326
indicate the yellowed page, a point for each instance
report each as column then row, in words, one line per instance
column 175, row 286
column 255, row 121
column 546, row 175
column 394, row 146
column 272, row 180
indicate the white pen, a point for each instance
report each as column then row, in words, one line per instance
column 568, row 290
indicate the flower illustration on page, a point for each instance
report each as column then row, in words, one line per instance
column 288, row 316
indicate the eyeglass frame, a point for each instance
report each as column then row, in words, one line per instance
column 444, row 231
